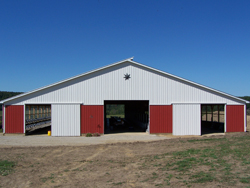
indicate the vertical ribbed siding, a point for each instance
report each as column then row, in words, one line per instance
column 186, row 119
column 65, row 120
column 109, row 84
column 235, row 118
column 3, row 117
column 160, row 118
column 92, row 119
column 14, row 119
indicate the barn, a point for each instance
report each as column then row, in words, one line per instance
column 153, row 101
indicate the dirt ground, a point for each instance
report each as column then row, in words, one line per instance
column 137, row 164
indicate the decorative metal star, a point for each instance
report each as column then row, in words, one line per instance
column 126, row 76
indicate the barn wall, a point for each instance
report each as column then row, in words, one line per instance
column 92, row 119
column 65, row 120
column 160, row 118
column 3, row 117
column 14, row 119
column 109, row 84
column 235, row 118
column 186, row 119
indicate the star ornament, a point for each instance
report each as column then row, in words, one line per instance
column 126, row 76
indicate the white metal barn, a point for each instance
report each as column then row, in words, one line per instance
column 154, row 100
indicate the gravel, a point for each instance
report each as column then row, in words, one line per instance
column 44, row 140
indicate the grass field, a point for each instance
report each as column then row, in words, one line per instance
column 219, row 161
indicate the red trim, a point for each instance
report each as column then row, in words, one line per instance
column 235, row 118
column 161, row 119
column 14, row 119
column 92, row 119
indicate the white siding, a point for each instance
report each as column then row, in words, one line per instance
column 65, row 120
column 186, row 119
column 109, row 84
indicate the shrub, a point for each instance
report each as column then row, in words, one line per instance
column 96, row 134
column 89, row 135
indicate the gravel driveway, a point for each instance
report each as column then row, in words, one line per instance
column 44, row 140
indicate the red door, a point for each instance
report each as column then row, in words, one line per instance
column 14, row 119
column 161, row 119
column 235, row 118
column 92, row 119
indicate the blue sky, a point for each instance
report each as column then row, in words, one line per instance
column 42, row 42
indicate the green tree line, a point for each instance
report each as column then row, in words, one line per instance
column 248, row 99
column 8, row 94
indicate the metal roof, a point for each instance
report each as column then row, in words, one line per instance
column 120, row 62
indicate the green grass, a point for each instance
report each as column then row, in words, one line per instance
column 6, row 167
column 209, row 140
column 51, row 177
column 219, row 162
column 119, row 183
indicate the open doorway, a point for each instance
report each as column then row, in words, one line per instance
column 126, row 116
column 37, row 119
column 212, row 118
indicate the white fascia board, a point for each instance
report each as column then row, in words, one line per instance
column 52, row 103
column 197, row 103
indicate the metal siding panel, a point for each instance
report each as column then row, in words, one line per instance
column 109, row 84
column 160, row 118
column 235, row 118
column 186, row 119
column 65, row 120
column 14, row 119
column 92, row 119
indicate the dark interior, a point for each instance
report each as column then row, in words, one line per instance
column 134, row 118
column 212, row 118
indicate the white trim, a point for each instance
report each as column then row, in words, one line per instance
column 130, row 60
column 149, row 127
column 66, row 103
column 49, row 103
column 245, row 118
column 24, row 113
column 4, row 112
column 200, row 103
column 235, row 104
column 225, row 118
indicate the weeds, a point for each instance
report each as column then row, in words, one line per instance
column 93, row 134
column 6, row 167
column 202, row 177
column 218, row 161
column 51, row 177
